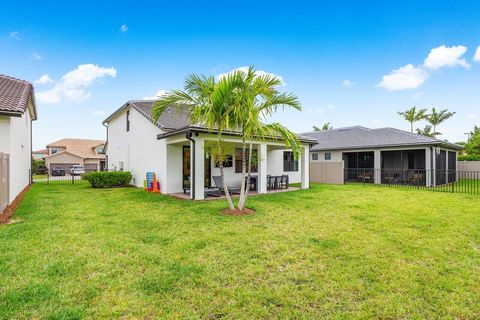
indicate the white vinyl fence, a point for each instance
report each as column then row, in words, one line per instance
column 4, row 181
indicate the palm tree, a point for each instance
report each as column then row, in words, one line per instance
column 412, row 115
column 326, row 126
column 209, row 104
column 258, row 98
column 427, row 132
column 436, row 118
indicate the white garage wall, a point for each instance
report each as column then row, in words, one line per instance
column 138, row 148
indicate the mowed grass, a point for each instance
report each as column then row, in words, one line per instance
column 338, row 252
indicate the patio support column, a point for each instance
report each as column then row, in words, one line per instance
column 262, row 168
column 377, row 166
column 428, row 167
column 199, row 163
column 305, row 167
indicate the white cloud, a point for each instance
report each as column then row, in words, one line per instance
column 124, row 28
column 446, row 57
column 72, row 86
column 472, row 116
column 406, row 77
column 331, row 106
column 15, row 35
column 245, row 69
column 36, row 56
column 98, row 112
column 156, row 96
column 476, row 57
column 44, row 79
column 348, row 83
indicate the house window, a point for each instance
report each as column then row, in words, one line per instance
column 53, row 150
column 100, row 150
column 128, row 120
column 238, row 160
column 314, row 156
column 328, row 156
column 289, row 163
column 228, row 163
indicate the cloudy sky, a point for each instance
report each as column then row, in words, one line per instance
column 354, row 63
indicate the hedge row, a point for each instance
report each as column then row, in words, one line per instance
column 469, row 157
column 108, row 179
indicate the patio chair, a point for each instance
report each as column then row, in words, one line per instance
column 217, row 180
column 283, row 182
column 271, row 182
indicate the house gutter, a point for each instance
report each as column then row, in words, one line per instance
column 188, row 135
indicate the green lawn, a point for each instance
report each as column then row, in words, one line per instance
column 328, row 252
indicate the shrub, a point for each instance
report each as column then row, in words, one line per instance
column 86, row 175
column 469, row 157
column 108, row 179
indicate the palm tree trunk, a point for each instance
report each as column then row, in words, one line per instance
column 225, row 187
column 411, row 127
column 222, row 174
column 243, row 201
column 242, row 183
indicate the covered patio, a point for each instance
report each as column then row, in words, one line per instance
column 192, row 174
column 409, row 166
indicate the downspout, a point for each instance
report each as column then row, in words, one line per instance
column 105, row 151
column 188, row 135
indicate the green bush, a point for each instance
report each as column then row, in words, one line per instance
column 108, row 179
column 86, row 175
column 469, row 157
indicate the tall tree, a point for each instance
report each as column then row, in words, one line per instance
column 427, row 131
column 413, row 115
column 472, row 147
column 325, row 126
column 435, row 118
column 258, row 98
column 209, row 103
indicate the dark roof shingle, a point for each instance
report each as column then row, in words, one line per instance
column 14, row 94
column 358, row 137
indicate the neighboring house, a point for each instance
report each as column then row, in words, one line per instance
column 175, row 150
column 39, row 154
column 17, row 111
column 387, row 155
column 68, row 152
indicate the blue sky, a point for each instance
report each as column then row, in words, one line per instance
column 338, row 57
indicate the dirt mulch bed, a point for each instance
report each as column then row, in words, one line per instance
column 236, row 212
column 10, row 210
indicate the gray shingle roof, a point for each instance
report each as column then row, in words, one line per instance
column 358, row 137
column 171, row 119
column 14, row 94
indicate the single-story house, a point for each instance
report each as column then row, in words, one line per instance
column 177, row 151
column 387, row 155
column 17, row 111
column 67, row 152
column 39, row 154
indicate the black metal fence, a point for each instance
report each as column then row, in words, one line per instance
column 467, row 182
column 57, row 179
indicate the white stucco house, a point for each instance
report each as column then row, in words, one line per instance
column 17, row 111
column 175, row 150
column 387, row 155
